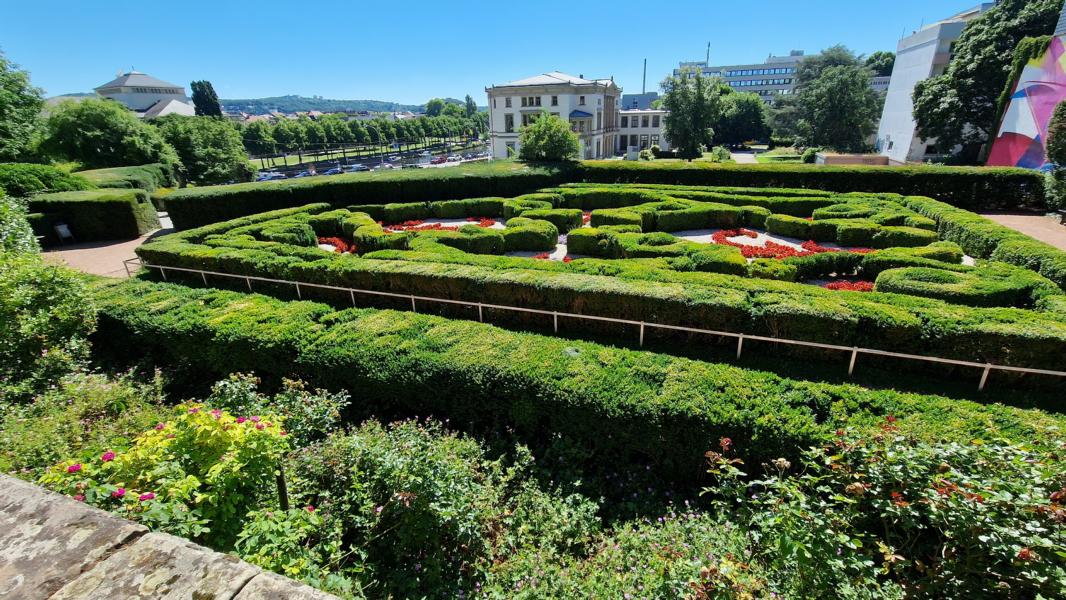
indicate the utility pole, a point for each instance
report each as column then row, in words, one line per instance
column 707, row 61
column 644, row 80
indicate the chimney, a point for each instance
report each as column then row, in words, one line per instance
column 581, row 76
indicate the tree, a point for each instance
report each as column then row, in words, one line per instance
column 452, row 109
column 434, row 107
column 838, row 109
column 211, row 149
column 205, row 99
column 785, row 117
column 1056, row 136
column 881, row 63
column 744, row 117
column 20, row 109
column 958, row 108
column 548, row 138
column 695, row 104
column 811, row 68
column 258, row 137
column 470, row 106
column 103, row 133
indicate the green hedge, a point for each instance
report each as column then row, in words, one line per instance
column 143, row 177
column 98, row 214
column 983, row 238
column 193, row 207
column 26, row 179
column 619, row 405
column 973, row 188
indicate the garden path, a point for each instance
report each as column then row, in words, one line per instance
column 103, row 258
column 1044, row 228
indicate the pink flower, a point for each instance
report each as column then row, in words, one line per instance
column 259, row 425
column 216, row 413
column 160, row 426
column 146, row 496
column 74, row 468
column 242, row 419
column 194, row 410
column 120, row 492
column 80, row 497
column 310, row 509
column 284, row 433
column 254, row 419
column 107, row 456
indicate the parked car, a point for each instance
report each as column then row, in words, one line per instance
column 334, row 171
column 302, row 174
column 438, row 160
column 412, row 166
column 358, row 167
column 269, row 176
column 454, row 158
column 426, row 153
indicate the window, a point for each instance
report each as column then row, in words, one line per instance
column 581, row 100
column 523, row 101
column 507, row 102
column 556, row 115
column 643, row 142
column 555, row 100
column 511, row 149
column 644, row 121
column 599, row 120
column 625, row 121
column 529, row 118
column 654, row 140
column 632, row 140
column 493, row 103
column 655, row 121
column 508, row 123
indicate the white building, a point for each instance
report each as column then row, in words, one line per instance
column 147, row 96
column 922, row 55
column 639, row 129
column 589, row 105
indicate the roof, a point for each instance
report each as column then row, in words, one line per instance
column 169, row 107
column 137, row 79
column 579, row 114
column 553, row 78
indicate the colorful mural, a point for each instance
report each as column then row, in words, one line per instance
column 1022, row 135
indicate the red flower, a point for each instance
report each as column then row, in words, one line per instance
column 897, row 499
column 586, row 217
column 146, row 497
column 79, row 497
column 1026, row 554
column 258, row 425
column 725, row 443
column 120, row 492
column 340, row 246
column 310, row 509
column 567, row 259
column 107, row 456
column 160, row 426
column 242, row 419
column 850, row 286
column 542, row 256
column 890, row 419
column 74, row 468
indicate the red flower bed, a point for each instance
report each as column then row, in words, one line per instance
column 339, row 245
column 542, row 256
column 772, row 249
column 586, row 217
column 850, row 286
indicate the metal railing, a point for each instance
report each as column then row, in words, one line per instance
column 854, row 351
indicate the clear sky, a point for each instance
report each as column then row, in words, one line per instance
column 411, row 51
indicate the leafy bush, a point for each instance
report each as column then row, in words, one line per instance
column 548, row 138
column 24, row 179
column 196, row 474
column 144, row 177
column 97, row 214
column 810, row 156
column 16, row 235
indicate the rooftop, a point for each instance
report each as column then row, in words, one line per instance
column 554, row 78
column 137, row 79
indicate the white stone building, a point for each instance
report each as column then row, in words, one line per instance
column 147, row 96
column 919, row 56
column 589, row 105
column 639, row 129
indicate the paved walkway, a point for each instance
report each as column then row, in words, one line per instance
column 744, row 158
column 103, row 258
column 1046, row 229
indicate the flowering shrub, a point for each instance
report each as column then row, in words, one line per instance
column 772, row 249
column 341, row 246
column 850, row 286
column 895, row 516
column 196, row 474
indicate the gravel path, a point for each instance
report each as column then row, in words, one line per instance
column 1044, row 228
column 103, row 258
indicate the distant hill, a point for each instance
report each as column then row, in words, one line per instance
column 289, row 104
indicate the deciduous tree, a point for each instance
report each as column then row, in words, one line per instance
column 881, row 63
column 838, row 109
column 470, row 107
column 103, row 133
column 20, row 107
column 434, row 107
column 210, row 148
column 548, row 138
column 695, row 104
column 744, row 117
column 205, row 100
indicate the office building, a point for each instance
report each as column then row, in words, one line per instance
column 774, row 77
column 639, row 129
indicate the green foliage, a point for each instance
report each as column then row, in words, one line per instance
column 47, row 314
column 196, row 474
column 82, row 415
column 20, row 108
column 25, row 179
column 144, row 177
column 695, row 105
column 16, row 235
column 92, row 215
column 1056, row 136
column 838, row 109
column 103, row 133
column 811, row 68
column 874, row 515
column 434, row 107
column 994, row 285
column 744, row 118
column 211, row 149
column 959, row 107
column 205, row 99
column 880, row 63
column 548, row 138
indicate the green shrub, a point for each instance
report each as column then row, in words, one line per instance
column 530, row 234
column 25, row 179
column 100, row 214
column 768, row 268
column 472, row 239
column 890, row 237
column 564, row 219
column 144, row 177
column 16, row 233
column 788, row 226
column 995, row 284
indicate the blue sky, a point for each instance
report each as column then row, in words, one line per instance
column 411, row 51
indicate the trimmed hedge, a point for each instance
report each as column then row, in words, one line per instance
column 96, row 214
column 144, row 177
column 620, row 405
column 26, row 179
column 192, row 207
column 972, row 188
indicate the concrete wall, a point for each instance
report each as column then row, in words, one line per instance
column 54, row 547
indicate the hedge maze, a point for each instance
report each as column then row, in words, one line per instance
column 902, row 273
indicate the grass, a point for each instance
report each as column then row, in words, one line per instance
column 778, row 156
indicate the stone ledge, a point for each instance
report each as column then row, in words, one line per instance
column 54, row 547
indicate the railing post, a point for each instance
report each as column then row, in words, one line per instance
column 851, row 365
column 480, row 315
column 352, row 292
column 248, row 281
column 126, row 266
column 555, row 321
column 413, row 309
column 204, row 277
column 642, row 334
column 163, row 272
column 298, row 294
column 984, row 378
column 740, row 345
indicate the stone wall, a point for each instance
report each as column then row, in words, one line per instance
column 54, row 547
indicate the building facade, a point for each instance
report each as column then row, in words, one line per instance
column 641, row 101
column 919, row 56
column 147, row 96
column 774, row 77
column 640, row 129
column 589, row 105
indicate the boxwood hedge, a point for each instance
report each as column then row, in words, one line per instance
column 618, row 404
column 106, row 214
column 143, row 177
column 21, row 180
